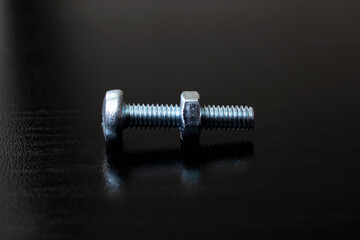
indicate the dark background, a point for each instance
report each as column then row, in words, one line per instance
column 295, row 176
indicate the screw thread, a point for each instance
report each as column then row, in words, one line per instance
column 169, row 116
column 234, row 117
column 151, row 116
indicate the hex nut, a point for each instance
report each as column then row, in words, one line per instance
column 190, row 115
column 112, row 115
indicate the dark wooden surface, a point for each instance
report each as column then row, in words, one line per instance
column 296, row 176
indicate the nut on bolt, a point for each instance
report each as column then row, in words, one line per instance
column 189, row 117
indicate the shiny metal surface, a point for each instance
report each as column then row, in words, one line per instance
column 233, row 117
column 112, row 115
column 152, row 116
column 189, row 117
column 296, row 62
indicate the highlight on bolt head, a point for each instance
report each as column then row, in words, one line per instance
column 112, row 115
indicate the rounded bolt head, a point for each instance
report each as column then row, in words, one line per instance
column 190, row 115
column 112, row 115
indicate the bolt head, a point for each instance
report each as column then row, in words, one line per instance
column 112, row 115
column 190, row 116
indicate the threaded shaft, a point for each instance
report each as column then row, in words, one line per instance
column 169, row 116
column 151, row 116
column 234, row 117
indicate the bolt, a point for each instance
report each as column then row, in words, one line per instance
column 189, row 117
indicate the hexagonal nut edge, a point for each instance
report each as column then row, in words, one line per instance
column 190, row 116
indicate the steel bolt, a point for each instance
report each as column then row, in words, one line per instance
column 189, row 117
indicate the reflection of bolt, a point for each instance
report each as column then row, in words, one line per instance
column 191, row 176
column 189, row 117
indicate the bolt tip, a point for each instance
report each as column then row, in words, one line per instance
column 251, row 117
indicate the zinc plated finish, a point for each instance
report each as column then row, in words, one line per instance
column 189, row 117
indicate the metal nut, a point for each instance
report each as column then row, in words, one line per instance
column 190, row 115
